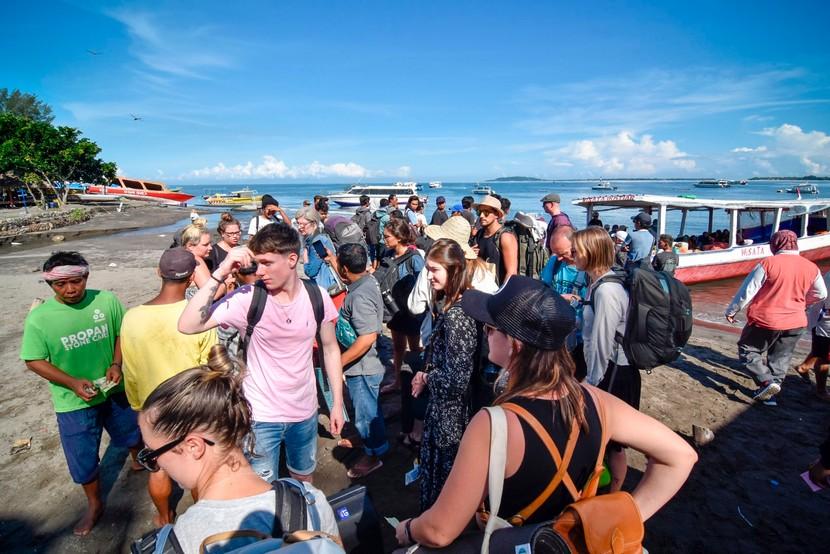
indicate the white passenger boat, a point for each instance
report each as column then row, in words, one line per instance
column 435, row 185
column 482, row 189
column 351, row 196
column 750, row 225
column 604, row 185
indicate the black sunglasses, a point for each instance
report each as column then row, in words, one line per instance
column 149, row 458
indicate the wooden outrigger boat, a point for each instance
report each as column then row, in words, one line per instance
column 141, row 189
column 750, row 222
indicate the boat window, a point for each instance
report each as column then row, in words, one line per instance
column 756, row 225
column 130, row 184
column 818, row 224
column 153, row 186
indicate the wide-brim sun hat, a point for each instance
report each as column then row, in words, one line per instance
column 491, row 202
column 525, row 309
column 454, row 228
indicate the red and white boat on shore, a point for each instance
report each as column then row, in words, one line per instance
column 749, row 224
column 141, row 189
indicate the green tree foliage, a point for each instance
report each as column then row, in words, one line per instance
column 25, row 105
column 42, row 155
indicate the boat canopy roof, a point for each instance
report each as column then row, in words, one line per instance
column 680, row 203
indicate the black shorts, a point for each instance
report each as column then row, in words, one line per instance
column 821, row 347
column 626, row 386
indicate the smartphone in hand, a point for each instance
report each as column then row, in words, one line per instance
column 320, row 248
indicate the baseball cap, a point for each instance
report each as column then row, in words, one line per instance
column 176, row 264
column 643, row 218
column 440, row 200
column 551, row 197
column 457, row 207
column 525, row 309
column 454, row 228
column 268, row 200
column 621, row 235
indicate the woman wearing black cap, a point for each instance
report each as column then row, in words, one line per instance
column 527, row 324
column 268, row 214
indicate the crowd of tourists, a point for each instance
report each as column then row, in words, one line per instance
column 500, row 326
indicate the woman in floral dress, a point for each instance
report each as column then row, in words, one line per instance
column 450, row 361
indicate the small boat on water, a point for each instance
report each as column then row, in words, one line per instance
column 803, row 188
column 482, row 189
column 141, row 189
column 244, row 199
column 351, row 196
column 435, row 185
column 751, row 223
column 603, row 185
column 712, row 184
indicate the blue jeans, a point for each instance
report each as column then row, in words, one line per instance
column 368, row 416
column 80, row 432
column 300, row 440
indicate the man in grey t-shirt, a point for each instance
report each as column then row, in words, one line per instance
column 362, row 313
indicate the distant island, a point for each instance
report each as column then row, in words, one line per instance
column 805, row 178
column 518, row 180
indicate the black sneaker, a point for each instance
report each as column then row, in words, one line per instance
column 765, row 392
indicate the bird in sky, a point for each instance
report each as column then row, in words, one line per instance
column 93, row 52
column 135, row 117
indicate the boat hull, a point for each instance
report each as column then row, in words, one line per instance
column 163, row 197
column 714, row 265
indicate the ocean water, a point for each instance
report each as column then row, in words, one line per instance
column 526, row 197
column 710, row 299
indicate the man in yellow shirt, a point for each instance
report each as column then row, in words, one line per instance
column 153, row 350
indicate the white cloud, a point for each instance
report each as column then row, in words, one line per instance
column 811, row 149
column 747, row 149
column 622, row 154
column 274, row 168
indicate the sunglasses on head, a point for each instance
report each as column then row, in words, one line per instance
column 149, row 458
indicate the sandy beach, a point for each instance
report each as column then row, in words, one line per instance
column 744, row 495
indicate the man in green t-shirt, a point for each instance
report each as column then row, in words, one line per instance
column 71, row 340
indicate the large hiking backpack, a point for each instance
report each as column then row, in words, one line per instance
column 659, row 321
column 294, row 512
column 394, row 289
column 373, row 233
column 363, row 218
column 532, row 252
column 342, row 230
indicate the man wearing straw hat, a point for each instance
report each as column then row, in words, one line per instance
column 494, row 244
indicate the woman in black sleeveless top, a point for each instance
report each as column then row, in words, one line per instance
column 527, row 325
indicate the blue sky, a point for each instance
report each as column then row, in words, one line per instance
column 379, row 91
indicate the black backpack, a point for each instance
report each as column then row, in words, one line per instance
column 394, row 290
column 659, row 321
column 257, row 307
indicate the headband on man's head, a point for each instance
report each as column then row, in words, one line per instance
column 65, row 272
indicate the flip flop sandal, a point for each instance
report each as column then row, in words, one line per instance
column 355, row 473
column 804, row 376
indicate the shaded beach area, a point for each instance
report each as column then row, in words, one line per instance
column 744, row 495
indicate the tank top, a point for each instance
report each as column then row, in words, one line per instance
column 489, row 251
column 538, row 467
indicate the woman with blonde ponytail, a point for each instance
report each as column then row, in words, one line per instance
column 197, row 427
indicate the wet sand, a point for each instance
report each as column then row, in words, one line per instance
column 753, row 463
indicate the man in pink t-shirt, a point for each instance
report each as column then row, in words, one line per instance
column 280, row 382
